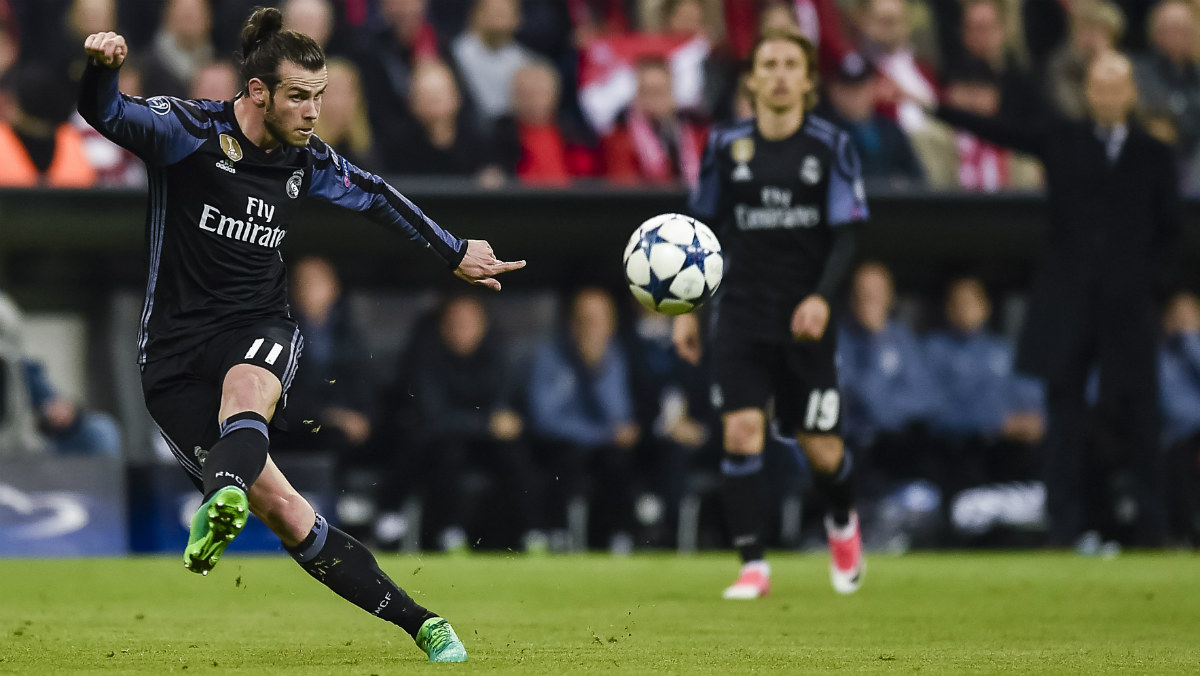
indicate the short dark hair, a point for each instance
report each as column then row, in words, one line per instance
column 265, row 45
column 810, row 56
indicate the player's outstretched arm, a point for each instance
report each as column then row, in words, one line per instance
column 686, row 336
column 480, row 265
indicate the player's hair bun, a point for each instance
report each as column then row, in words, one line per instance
column 264, row 23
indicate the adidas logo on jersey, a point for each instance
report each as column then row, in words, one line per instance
column 226, row 165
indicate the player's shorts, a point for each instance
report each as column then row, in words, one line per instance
column 183, row 391
column 799, row 376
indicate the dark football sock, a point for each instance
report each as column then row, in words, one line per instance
column 239, row 456
column 742, row 493
column 343, row 564
column 837, row 487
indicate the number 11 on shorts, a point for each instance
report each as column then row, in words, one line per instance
column 823, row 409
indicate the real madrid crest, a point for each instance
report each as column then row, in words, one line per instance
column 810, row 170
column 293, row 183
column 233, row 150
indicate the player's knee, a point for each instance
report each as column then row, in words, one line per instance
column 249, row 389
column 824, row 451
column 744, row 432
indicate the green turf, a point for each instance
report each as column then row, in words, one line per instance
column 926, row 614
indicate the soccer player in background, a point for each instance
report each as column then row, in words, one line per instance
column 217, row 346
column 783, row 191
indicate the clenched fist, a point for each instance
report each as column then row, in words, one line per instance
column 106, row 48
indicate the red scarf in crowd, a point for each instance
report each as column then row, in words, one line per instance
column 981, row 166
column 654, row 158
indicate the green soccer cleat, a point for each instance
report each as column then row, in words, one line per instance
column 438, row 640
column 214, row 526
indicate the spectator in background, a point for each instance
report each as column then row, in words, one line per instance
column 392, row 49
column 654, row 143
column 887, row 392
column 343, row 123
column 1168, row 77
column 542, row 151
column 313, row 18
column 1096, row 27
column 442, row 143
column 18, row 420
column 329, row 403
column 467, row 425
column 882, row 147
column 67, row 427
column 985, row 36
column 182, row 46
column 1179, row 382
column 217, row 81
column 38, row 144
column 581, row 409
column 819, row 20
column 960, row 160
column 988, row 418
column 887, row 43
column 488, row 56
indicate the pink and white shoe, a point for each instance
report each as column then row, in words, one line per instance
column 754, row 582
column 847, row 566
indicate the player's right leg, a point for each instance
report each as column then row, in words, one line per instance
column 743, row 490
column 346, row 566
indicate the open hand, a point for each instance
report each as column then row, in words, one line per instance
column 106, row 48
column 480, row 265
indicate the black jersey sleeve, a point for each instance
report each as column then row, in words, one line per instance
column 161, row 130
column 705, row 200
column 337, row 181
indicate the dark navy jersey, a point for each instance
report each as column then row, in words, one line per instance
column 773, row 205
column 220, row 207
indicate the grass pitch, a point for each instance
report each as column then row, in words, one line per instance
column 653, row 614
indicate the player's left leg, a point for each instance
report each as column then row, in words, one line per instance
column 833, row 470
column 347, row 567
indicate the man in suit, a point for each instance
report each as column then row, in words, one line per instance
column 1114, row 217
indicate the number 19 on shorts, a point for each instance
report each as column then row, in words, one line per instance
column 823, row 409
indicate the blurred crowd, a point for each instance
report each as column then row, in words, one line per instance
column 548, row 92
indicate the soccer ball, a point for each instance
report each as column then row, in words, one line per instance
column 673, row 263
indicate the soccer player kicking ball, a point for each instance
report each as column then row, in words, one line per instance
column 217, row 347
column 784, row 191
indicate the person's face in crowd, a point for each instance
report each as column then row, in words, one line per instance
column 967, row 305
column 313, row 18
column 872, row 297
column 1182, row 315
column 777, row 16
column 687, row 18
column 1109, row 89
column 1174, row 32
column 1090, row 39
column 593, row 322
column 497, row 20
column 535, row 95
column 854, row 101
column 341, row 102
column 434, row 94
column 92, row 16
column 983, row 31
column 216, row 81
column 886, row 24
column 464, row 325
column 1160, row 125
column 981, row 98
column 292, row 112
column 780, row 78
column 654, row 93
column 315, row 287
column 190, row 21
column 404, row 16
